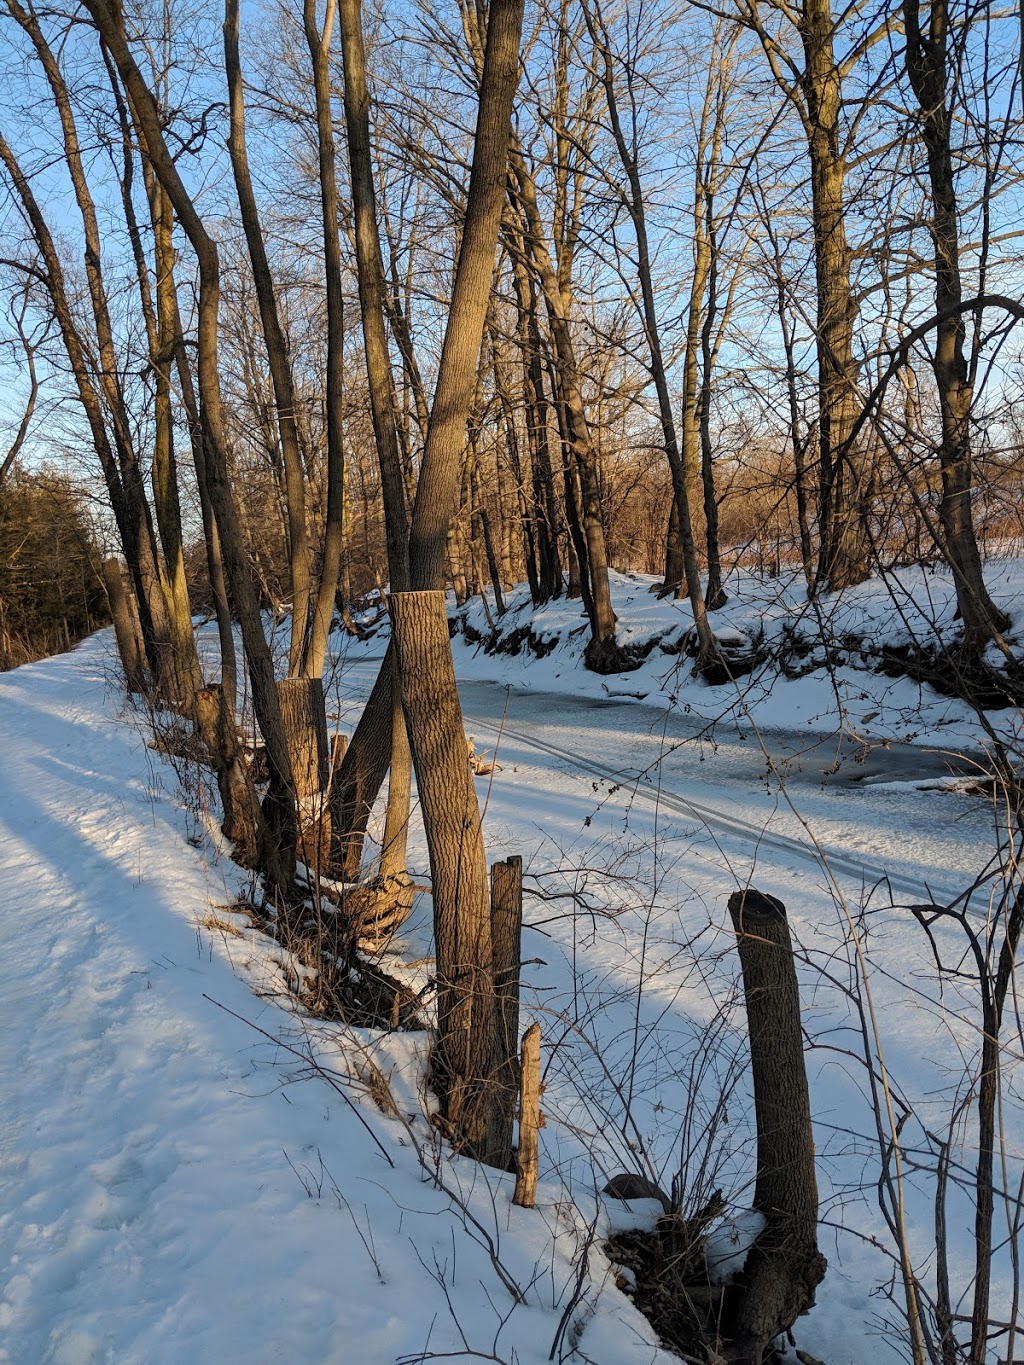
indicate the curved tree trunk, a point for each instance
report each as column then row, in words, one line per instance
column 276, row 346
column 278, row 853
column 334, row 526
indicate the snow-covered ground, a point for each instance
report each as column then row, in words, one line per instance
column 913, row 606
column 192, row 1171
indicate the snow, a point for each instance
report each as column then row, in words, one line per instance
column 194, row 1171
column 178, row 1187
column 912, row 606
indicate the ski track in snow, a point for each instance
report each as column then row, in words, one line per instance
column 149, row 1212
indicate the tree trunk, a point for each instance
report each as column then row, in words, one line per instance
column 304, row 721
column 356, row 784
column 274, row 341
column 185, row 662
column 334, row 521
column 784, row 1266
column 926, row 61
column 129, row 642
column 843, row 556
column 396, row 820
column 243, row 823
column 471, row 1100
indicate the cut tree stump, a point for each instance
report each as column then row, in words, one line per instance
column 784, row 1266
column 304, row 719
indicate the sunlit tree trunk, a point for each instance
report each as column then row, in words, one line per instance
column 927, row 60
column 277, row 852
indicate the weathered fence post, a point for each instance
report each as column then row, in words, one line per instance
column 530, row 1119
column 506, row 934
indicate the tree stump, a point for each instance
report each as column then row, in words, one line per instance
column 784, row 1266
column 506, row 935
column 304, row 720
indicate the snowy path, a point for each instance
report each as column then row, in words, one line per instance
column 149, row 1209
column 176, row 1188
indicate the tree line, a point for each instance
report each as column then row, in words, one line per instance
column 428, row 295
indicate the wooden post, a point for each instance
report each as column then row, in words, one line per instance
column 530, row 1119
column 127, row 630
column 784, row 1266
column 506, row 933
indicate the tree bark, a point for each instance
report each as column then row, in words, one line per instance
column 334, row 524
column 506, row 957
column 784, row 1266
column 129, row 643
column 243, row 823
column 926, row 63
column 463, row 1066
column 530, row 1120
column 275, row 343
column 843, row 554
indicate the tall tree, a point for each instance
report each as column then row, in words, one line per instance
column 929, row 63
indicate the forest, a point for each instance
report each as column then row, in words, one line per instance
column 557, row 340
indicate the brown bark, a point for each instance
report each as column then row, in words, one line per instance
column 372, row 297
column 396, row 819
column 784, row 1266
column 843, row 554
column 357, row 782
column 466, row 1023
column 274, row 340
column 130, row 645
column 277, row 855
column 366, row 762
column 545, row 500
column 242, row 823
column 304, row 720
column 530, row 1120
column 926, row 62
column 334, row 523
column 185, row 661
column 506, row 957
